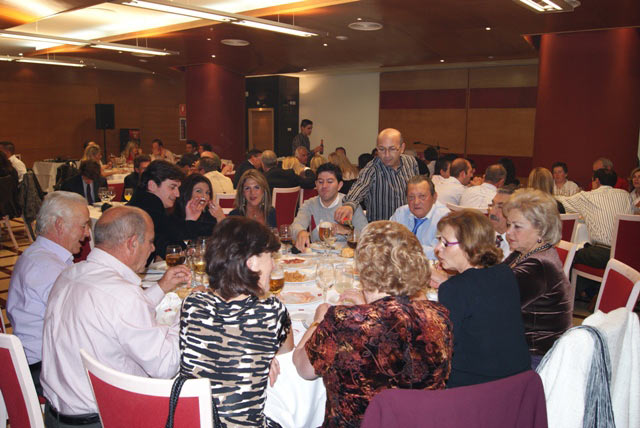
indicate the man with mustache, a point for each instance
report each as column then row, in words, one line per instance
column 498, row 220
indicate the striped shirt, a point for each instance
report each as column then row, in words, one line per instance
column 599, row 209
column 382, row 188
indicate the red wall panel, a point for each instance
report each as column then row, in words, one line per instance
column 215, row 109
column 588, row 100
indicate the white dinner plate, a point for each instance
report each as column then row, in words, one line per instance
column 300, row 297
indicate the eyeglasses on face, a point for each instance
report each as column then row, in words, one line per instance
column 446, row 243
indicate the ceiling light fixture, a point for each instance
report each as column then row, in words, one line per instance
column 120, row 47
column 365, row 26
column 49, row 62
column 216, row 15
column 234, row 42
column 548, row 6
column 41, row 38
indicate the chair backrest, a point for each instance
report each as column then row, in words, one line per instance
column 127, row 400
column 307, row 194
column 16, row 385
column 226, row 201
column 3, row 328
column 285, row 201
column 566, row 252
column 626, row 237
column 454, row 207
column 569, row 226
column 620, row 287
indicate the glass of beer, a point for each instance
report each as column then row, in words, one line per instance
column 276, row 281
column 175, row 255
column 327, row 234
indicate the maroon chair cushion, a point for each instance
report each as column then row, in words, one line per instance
column 308, row 194
column 12, row 393
column 286, row 207
column 589, row 270
column 562, row 253
column 226, row 203
column 121, row 408
column 616, row 292
column 567, row 229
column 627, row 240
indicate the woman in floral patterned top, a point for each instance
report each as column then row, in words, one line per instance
column 387, row 340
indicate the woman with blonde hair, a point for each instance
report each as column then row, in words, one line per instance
column 546, row 298
column 387, row 339
column 94, row 153
column 131, row 151
column 489, row 344
column 542, row 179
column 293, row 163
column 253, row 198
column 316, row 161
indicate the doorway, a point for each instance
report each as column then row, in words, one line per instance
column 261, row 129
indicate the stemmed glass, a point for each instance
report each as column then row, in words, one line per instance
column 103, row 194
column 128, row 193
column 111, row 193
column 325, row 278
column 285, row 237
column 327, row 234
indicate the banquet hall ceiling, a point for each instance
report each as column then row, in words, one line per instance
column 414, row 33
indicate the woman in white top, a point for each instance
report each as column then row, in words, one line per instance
column 562, row 186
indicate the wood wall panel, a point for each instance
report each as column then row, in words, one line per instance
column 453, row 78
column 501, row 132
column 430, row 126
column 49, row 111
column 504, row 77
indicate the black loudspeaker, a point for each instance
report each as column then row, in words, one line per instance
column 105, row 116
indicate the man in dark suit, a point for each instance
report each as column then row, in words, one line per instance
column 278, row 177
column 140, row 163
column 87, row 182
column 253, row 161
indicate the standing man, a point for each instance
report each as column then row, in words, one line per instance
column 322, row 208
column 302, row 139
column 62, row 224
column 253, row 161
column 422, row 214
column 498, row 220
column 9, row 149
column 382, row 184
column 480, row 196
column 450, row 189
column 99, row 306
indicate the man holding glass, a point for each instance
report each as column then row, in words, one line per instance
column 99, row 306
column 382, row 184
column 322, row 208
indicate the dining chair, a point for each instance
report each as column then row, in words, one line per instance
column 3, row 327
column 285, row 201
column 514, row 401
column 569, row 226
column 307, row 194
column 566, row 252
column 18, row 397
column 134, row 401
column 226, row 201
column 454, row 207
column 626, row 236
column 620, row 287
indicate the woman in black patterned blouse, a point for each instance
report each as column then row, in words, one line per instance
column 231, row 334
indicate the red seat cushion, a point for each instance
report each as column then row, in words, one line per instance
column 11, row 391
column 616, row 292
column 589, row 270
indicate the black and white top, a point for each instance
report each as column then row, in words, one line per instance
column 232, row 344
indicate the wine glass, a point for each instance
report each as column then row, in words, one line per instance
column 327, row 234
column 276, row 280
column 128, row 193
column 344, row 278
column 284, row 235
column 103, row 194
column 174, row 255
column 111, row 193
column 325, row 278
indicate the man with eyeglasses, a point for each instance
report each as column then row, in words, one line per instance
column 422, row 214
column 498, row 220
column 382, row 184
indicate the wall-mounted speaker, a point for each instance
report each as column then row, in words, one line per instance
column 105, row 116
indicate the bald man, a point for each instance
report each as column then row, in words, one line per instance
column 99, row 306
column 382, row 184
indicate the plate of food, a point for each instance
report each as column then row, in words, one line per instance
column 298, row 276
column 300, row 297
column 292, row 261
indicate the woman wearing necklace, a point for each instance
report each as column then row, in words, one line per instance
column 253, row 199
column 534, row 227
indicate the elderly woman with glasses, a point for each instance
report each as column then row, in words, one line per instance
column 483, row 303
column 388, row 339
column 533, row 228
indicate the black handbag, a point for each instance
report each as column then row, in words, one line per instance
column 173, row 403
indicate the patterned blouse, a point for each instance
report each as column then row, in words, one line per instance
column 390, row 343
column 232, row 344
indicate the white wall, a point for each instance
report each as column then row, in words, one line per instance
column 344, row 109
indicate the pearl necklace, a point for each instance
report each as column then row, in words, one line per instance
column 522, row 257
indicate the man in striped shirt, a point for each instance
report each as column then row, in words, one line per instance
column 598, row 208
column 382, row 184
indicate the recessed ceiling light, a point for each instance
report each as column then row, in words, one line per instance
column 143, row 60
column 487, row 28
column 234, row 42
column 359, row 19
column 365, row 26
column 441, row 60
column 325, row 45
column 20, row 54
column 213, row 56
column 341, row 37
column 304, row 69
column 490, row 56
column 209, row 38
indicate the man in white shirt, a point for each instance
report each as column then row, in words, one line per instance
column 498, row 219
column 321, row 208
column 210, row 168
column 481, row 196
column 9, row 149
column 99, row 306
column 422, row 213
column 442, row 171
column 599, row 208
column 62, row 224
column 450, row 189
